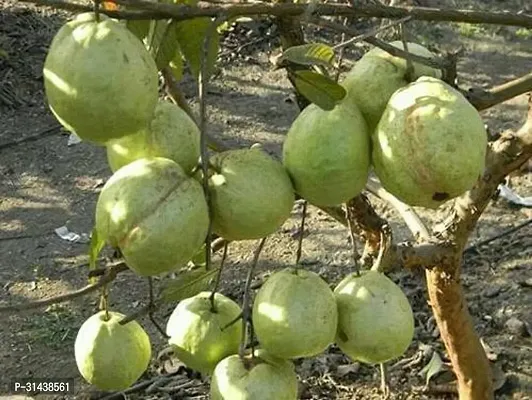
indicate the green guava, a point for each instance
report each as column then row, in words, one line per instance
column 375, row 320
column 262, row 377
column 327, row 154
column 171, row 134
column 111, row 356
column 199, row 335
column 430, row 145
column 252, row 195
column 155, row 214
column 295, row 314
column 377, row 75
column 99, row 79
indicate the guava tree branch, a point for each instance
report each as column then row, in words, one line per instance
column 154, row 10
column 505, row 155
column 110, row 274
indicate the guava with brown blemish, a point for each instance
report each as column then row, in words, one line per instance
column 430, row 144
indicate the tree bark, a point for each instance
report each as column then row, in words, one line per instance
column 469, row 360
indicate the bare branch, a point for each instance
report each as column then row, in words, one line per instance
column 157, row 10
column 111, row 273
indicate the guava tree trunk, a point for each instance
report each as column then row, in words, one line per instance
column 469, row 360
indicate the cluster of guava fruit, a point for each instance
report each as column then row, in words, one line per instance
column 422, row 138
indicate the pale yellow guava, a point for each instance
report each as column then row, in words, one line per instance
column 252, row 195
column 430, row 144
column 200, row 335
column 260, row 378
column 375, row 319
column 327, row 154
column 295, row 314
column 377, row 75
column 99, row 79
column 111, row 356
column 155, row 214
column 171, row 134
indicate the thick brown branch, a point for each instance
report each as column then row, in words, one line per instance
column 108, row 277
column 181, row 12
column 505, row 155
column 486, row 99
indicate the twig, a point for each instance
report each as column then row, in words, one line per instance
column 156, row 10
column 218, row 277
column 301, row 233
column 152, row 304
column 371, row 33
column 412, row 220
column 507, row 232
column 111, row 274
column 39, row 135
column 341, row 55
column 246, row 301
column 136, row 388
column 202, row 90
column 351, row 223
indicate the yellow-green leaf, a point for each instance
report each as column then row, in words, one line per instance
column 96, row 246
column 187, row 284
column 318, row 89
column 309, row 54
column 191, row 36
column 140, row 28
column 168, row 46
column 434, row 367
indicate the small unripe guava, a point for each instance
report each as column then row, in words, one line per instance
column 155, row 214
column 171, row 134
column 111, row 356
column 262, row 377
column 200, row 336
column 377, row 75
column 375, row 319
column 99, row 79
column 295, row 314
column 252, row 195
column 430, row 145
column 327, row 154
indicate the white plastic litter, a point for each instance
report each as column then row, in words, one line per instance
column 73, row 139
column 512, row 197
column 65, row 234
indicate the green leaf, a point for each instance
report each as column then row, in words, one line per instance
column 187, row 284
column 168, row 46
column 140, row 28
column 191, row 36
column 309, row 54
column 156, row 35
column 176, row 64
column 434, row 366
column 96, row 246
column 319, row 89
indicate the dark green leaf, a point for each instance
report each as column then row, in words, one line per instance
column 176, row 64
column 140, row 28
column 309, row 54
column 187, row 284
column 199, row 258
column 319, row 89
column 168, row 46
column 191, row 36
column 156, row 35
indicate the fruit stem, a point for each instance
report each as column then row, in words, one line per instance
column 301, row 234
column 350, row 217
column 246, row 309
column 217, row 282
column 385, row 387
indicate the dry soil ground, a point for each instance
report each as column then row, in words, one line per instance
column 46, row 184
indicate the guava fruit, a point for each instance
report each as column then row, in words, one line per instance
column 375, row 320
column 197, row 332
column 430, row 144
column 295, row 314
column 327, row 154
column 262, row 377
column 251, row 194
column 377, row 75
column 171, row 134
column 155, row 214
column 111, row 356
column 99, row 79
